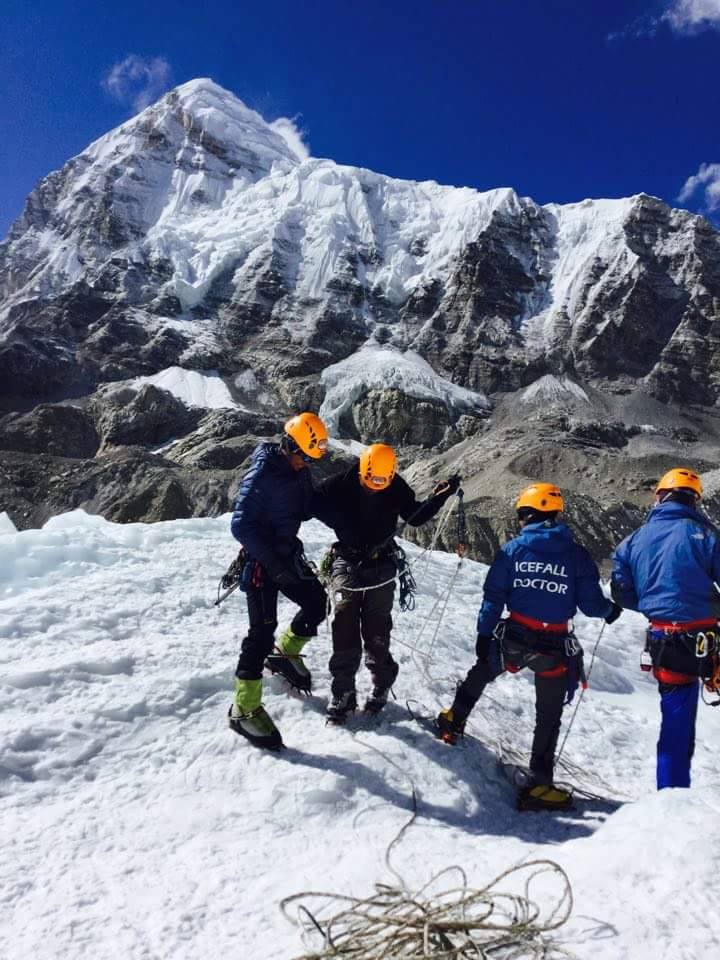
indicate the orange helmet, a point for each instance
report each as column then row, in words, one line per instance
column 680, row 478
column 378, row 466
column 544, row 497
column 307, row 435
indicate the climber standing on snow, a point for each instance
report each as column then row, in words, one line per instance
column 273, row 500
column 363, row 505
column 668, row 569
column 542, row 576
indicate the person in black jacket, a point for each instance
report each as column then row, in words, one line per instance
column 362, row 506
column 273, row 500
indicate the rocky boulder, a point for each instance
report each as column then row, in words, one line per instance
column 126, row 486
column 143, row 417
column 62, row 430
column 390, row 416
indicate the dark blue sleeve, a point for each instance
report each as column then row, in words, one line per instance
column 496, row 592
column 247, row 524
column 588, row 593
column 622, row 584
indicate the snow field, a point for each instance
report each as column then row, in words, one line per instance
column 136, row 825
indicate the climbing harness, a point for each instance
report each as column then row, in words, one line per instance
column 245, row 574
column 703, row 645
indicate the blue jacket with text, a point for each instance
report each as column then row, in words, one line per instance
column 543, row 574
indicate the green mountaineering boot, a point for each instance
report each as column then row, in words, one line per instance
column 448, row 727
column 248, row 717
column 288, row 662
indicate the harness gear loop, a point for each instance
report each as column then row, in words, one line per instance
column 232, row 579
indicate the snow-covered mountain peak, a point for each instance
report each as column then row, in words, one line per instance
column 197, row 214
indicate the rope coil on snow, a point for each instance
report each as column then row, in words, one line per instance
column 459, row 922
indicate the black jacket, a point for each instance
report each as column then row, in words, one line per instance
column 365, row 520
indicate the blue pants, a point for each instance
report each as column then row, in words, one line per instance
column 678, row 708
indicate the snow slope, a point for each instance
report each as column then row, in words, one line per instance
column 136, row 826
column 195, row 389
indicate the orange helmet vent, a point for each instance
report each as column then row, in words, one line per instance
column 309, row 434
column 544, row 497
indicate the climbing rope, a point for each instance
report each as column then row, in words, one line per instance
column 582, row 693
column 457, row 923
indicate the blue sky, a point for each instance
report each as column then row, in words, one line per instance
column 560, row 100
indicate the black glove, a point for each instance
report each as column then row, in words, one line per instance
column 482, row 647
column 449, row 486
column 614, row 613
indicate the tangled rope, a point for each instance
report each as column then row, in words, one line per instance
column 460, row 922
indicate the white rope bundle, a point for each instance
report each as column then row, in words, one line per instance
column 459, row 922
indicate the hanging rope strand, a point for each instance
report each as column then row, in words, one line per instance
column 582, row 692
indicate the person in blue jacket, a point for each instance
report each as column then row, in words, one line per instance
column 668, row 569
column 274, row 499
column 542, row 576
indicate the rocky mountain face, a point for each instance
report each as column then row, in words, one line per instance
column 478, row 331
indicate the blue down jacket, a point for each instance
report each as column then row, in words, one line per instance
column 543, row 574
column 272, row 502
column 666, row 568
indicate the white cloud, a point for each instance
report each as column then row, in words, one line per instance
column 691, row 16
column 682, row 16
column 138, row 81
column 706, row 179
column 292, row 135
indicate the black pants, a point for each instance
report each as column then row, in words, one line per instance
column 308, row 594
column 550, row 693
column 362, row 619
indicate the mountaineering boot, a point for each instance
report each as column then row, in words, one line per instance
column 288, row 662
column 257, row 727
column 544, row 796
column 448, row 727
column 377, row 700
column 248, row 717
column 340, row 706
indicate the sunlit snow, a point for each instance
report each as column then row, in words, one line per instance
column 194, row 388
